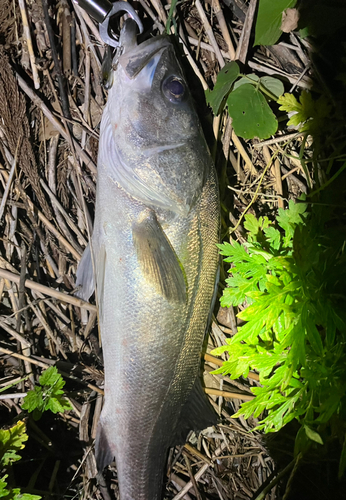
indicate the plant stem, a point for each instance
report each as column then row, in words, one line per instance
column 281, row 474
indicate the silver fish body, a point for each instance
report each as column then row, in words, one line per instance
column 155, row 258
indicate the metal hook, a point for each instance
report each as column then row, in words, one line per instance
column 118, row 7
column 103, row 10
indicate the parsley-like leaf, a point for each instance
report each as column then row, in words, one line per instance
column 11, row 441
column 47, row 396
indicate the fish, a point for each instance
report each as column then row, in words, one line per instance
column 154, row 257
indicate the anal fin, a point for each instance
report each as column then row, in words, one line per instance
column 197, row 414
column 103, row 452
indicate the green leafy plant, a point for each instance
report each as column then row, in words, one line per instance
column 318, row 118
column 246, row 98
column 11, row 441
column 171, row 19
column 307, row 114
column 291, row 275
column 269, row 19
column 48, row 395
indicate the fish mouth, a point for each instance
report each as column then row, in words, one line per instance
column 136, row 58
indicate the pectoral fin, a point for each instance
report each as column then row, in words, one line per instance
column 85, row 276
column 100, row 264
column 158, row 261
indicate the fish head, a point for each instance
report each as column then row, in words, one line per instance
column 151, row 130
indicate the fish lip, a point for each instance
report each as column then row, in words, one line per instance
column 134, row 60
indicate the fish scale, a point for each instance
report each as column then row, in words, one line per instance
column 155, row 257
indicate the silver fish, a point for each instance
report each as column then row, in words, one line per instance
column 155, row 260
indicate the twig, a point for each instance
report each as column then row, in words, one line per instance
column 27, row 35
column 295, row 179
column 24, row 358
column 275, row 481
column 47, row 328
column 74, row 46
column 197, row 453
column 280, row 138
column 151, row 14
column 8, row 184
column 192, row 477
column 21, row 288
column 15, row 334
column 83, row 15
column 86, row 105
column 229, row 153
column 179, row 483
column 209, row 32
column 195, row 67
column 300, row 77
column 66, row 38
column 243, row 45
column 97, row 413
column 199, row 474
column 205, row 46
column 85, row 20
column 243, row 153
column 13, row 396
column 227, row 394
column 276, row 173
column 223, row 26
column 57, row 124
column 59, row 73
column 264, row 68
column 56, row 310
column 266, row 196
column 254, row 197
column 31, row 210
column 292, row 171
column 58, row 209
column 43, row 365
column 69, row 221
column 51, row 292
column 160, row 10
column 31, row 214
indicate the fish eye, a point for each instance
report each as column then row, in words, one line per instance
column 173, row 88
